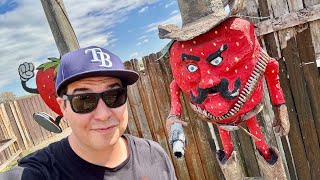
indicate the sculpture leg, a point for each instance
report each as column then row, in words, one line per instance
column 228, row 159
column 269, row 159
column 226, row 141
column 261, row 144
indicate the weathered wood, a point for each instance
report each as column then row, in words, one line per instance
column 132, row 128
column 7, row 144
column 28, row 120
column 21, row 139
column 60, row 25
column 181, row 168
column 12, row 158
column 288, row 20
column 9, row 130
column 311, row 73
column 23, row 131
column 138, row 111
column 202, row 138
column 302, row 103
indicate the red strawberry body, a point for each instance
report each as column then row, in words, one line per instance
column 45, row 81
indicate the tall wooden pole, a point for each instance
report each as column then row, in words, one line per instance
column 60, row 25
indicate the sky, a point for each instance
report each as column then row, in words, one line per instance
column 127, row 28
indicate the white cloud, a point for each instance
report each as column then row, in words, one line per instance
column 134, row 55
column 176, row 19
column 174, row 12
column 26, row 36
column 142, row 37
column 143, row 9
column 169, row 4
column 142, row 40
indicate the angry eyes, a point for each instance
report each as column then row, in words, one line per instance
column 214, row 59
column 192, row 68
column 215, row 62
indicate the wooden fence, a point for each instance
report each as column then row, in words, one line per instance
column 290, row 33
column 17, row 124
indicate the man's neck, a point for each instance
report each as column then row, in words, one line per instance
column 109, row 157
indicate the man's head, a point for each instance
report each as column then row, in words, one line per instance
column 92, row 88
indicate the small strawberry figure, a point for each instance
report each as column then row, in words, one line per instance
column 45, row 80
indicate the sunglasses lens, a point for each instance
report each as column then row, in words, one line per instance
column 115, row 97
column 84, row 103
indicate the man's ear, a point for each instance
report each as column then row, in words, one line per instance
column 62, row 105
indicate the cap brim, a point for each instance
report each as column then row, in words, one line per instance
column 127, row 76
column 196, row 28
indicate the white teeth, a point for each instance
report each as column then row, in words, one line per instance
column 237, row 105
column 235, row 93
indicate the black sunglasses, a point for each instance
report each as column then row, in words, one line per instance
column 87, row 102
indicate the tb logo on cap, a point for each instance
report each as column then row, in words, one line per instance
column 99, row 56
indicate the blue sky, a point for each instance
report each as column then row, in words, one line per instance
column 126, row 27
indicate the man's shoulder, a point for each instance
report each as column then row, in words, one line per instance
column 146, row 149
column 43, row 154
column 142, row 143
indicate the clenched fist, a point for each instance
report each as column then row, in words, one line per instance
column 26, row 71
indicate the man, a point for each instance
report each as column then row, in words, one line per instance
column 92, row 88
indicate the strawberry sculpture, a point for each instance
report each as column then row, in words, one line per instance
column 217, row 61
column 45, row 81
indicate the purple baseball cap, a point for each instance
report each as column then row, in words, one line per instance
column 92, row 61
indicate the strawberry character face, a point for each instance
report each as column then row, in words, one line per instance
column 214, row 68
column 45, row 80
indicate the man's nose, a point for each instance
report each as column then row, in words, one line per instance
column 102, row 111
column 208, row 81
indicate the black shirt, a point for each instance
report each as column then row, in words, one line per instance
column 147, row 161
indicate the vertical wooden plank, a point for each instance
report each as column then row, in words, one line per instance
column 29, row 131
column 302, row 103
column 272, row 45
column 311, row 73
column 163, row 102
column 138, row 110
column 3, row 155
column 151, row 106
column 132, row 128
column 21, row 139
column 23, row 131
column 34, row 128
column 9, row 130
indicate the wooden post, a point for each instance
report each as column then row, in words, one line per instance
column 60, row 25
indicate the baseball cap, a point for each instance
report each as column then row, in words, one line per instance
column 92, row 61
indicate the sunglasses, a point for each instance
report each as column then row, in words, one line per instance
column 87, row 102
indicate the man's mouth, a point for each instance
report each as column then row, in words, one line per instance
column 222, row 88
column 104, row 129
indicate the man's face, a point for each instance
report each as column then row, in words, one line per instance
column 102, row 127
